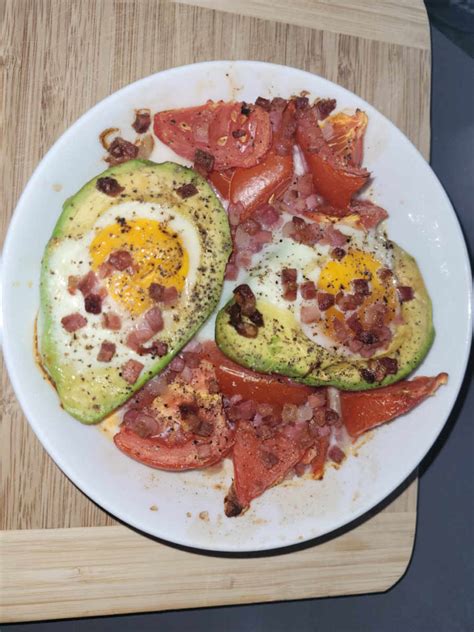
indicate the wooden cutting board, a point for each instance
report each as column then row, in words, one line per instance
column 61, row 555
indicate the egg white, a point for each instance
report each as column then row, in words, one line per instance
column 72, row 257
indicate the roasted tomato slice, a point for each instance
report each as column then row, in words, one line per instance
column 344, row 133
column 184, row 428
column 333, row 178
column 362, row 411
column 254, row 186
column 258, row 465
column 236, row 134
column 261, row 388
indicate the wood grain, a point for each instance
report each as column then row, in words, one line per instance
column 75, row 572
column 402, row 22
column 57, row 59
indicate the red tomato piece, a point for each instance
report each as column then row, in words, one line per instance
column 182, row 449
column 362, row 411
column 317, row 456
column 260, row 464
column 344, row 133
column 254, row 186
column 236, row 134
column 261, row 388
column 221, row 181
column 336, row 181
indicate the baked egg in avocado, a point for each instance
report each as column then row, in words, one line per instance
column 135, row 265
column 355, row 316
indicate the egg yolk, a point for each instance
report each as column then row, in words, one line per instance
column 158, row 257
column 338, row 275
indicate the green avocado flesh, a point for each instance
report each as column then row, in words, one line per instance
column 282, row 347
column 88, row 389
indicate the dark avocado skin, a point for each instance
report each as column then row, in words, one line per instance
column 89, row 394
column 282, row 347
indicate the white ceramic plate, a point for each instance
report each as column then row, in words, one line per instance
column 190, row 505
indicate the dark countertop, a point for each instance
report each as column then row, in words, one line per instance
column 435, row 594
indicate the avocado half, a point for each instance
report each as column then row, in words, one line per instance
column 90, row 393
column 282, row 347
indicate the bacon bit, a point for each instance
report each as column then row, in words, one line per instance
column 231, row 272
column 266, row 214
column 203, row 162
column 205, row 429
column 111, row 320
column 156, row 349
column 338, row 253
column 107, row 351
column 120, row 151
column 245, row 298
column 263, row 103
column 234, row 212
column 156, row 292
column 290, row 286
column 368, row 337
column 257, row 318
column 177, row 364
column 367, row 375
column 232, row 507
column 405, row 293
column 105, row 270
column 142, row 121
column 334, row 237
column 348, row 302
column 342, row 332
column 289, row 413
column 361, row 287
column 247, row 330
column 385, row 274
column 336, row 454
column 374, row 315
column 383, row 367
column 324, row 107
column 269, row 459
column 93, row 304
column 73, row 322
column 109, row 186
column 369, row 214
column 331, row 416
column 235, row 314
column 354, row 323
column 142, row 424
column 131, row 370
column 310, row 314
column 120, row 260
column 325, row 300
column 317, row 399
column 154, row 319
column 308, row 290
column 87, row 283
column 187, row 190
column 72, row 283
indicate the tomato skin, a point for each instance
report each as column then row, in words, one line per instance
column 254, row 186
column 252, row 475
column 174, row 458
column 211, row 128
column 259, row 387
column 333, row 180
column 362, row 411
column 221, row 181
